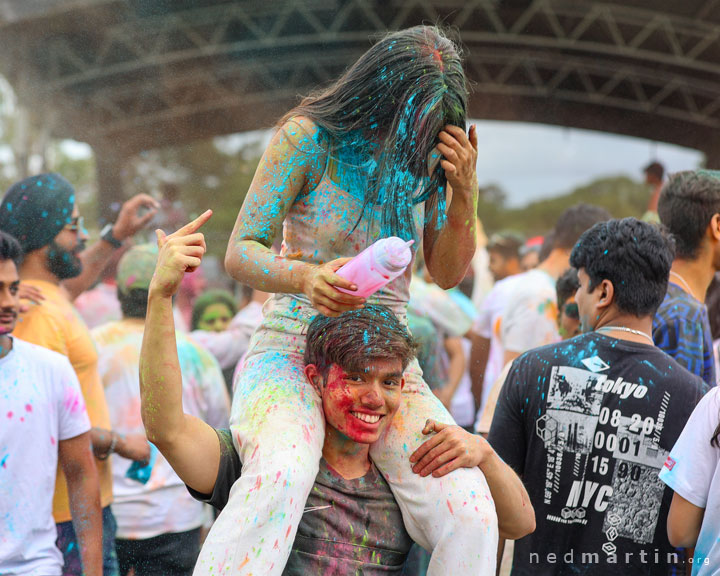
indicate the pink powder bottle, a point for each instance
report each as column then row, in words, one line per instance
column 377, row 265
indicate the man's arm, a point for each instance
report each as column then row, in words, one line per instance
column 77, row 462
column 187, row 443
column 456, row 370
column 479, row 355
column 684, row 522
column 95, row 258
column 452, row 448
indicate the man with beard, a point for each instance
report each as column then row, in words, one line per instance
column 41, row 213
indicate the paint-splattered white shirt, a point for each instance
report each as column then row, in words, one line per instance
column 40, row 405
column 162, row 505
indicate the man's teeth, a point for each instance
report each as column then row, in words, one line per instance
column 369, row 418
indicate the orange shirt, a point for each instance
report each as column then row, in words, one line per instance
column 56, row 324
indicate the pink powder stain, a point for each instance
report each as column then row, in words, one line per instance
column 277, row 477
column 10, row 414
column 258, row 483
column 287, row 534
column 28, row 407
column 22, row 418
column 306, row 434
column 449, row 507
column 254, row 451
column 73, row 401
column 52, row 440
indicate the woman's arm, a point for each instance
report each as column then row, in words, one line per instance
column 293, row 162
column 187, row 443
column 452, row 448
column 448, row 251
column 684, row 522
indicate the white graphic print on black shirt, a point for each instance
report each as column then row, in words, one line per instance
column 589, row 424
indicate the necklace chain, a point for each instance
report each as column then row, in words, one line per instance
column 683, row 283
column 626, row 329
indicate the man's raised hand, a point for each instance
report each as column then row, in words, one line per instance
column 178, row 253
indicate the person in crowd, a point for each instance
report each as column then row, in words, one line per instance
column 486, row 353
column 692, row 471
column 42, row 214
column 689, row 207
column 100, row 305
column 45, row 424
column 167, row 540
column 530, row 253
column 504, row 251
column 530, row 316
column 192, row 288
column 588, row 423
column 381, row 152
column 568, row 315
column 654, row 178
column 451, row 322
column 352, row 522
column 213, row 313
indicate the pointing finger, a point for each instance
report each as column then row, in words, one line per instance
column 193, row 226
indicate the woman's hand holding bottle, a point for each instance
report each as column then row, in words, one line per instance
column 319, row 284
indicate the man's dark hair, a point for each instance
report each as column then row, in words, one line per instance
column 635, row 256
column 687, row 203
column 506, row 244
column 356, row 337
column 10, row 249
column 566, row 286
column 133, row 303
column 574, row 221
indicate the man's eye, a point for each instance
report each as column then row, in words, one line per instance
column 14, row 290
column 392, row 383
column 354, row 378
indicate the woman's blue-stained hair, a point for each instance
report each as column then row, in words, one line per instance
column 384, row 115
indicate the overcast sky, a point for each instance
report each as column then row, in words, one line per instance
column 533, row 161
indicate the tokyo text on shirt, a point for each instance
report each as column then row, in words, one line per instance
column 588, row 423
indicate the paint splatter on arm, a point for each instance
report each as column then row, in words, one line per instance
column 293, row 163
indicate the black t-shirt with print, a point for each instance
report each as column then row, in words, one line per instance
column 588, row 423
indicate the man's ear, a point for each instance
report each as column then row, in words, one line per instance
column 714, row 227
column 313, row 375
column 606, row 295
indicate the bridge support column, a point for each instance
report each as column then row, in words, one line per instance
column 109, row 166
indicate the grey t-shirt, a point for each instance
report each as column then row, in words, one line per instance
column 361, row 533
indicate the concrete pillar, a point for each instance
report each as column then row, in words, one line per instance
column 109, row 165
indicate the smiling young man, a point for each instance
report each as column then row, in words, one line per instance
column 589, row 422
column 352, row 522
column 44, row 424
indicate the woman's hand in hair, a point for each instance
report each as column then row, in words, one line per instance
column 460, row 153
column 319, row 285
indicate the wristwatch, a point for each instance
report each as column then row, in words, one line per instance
column 107, row 234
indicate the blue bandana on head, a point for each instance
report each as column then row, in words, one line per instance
column 36, row 209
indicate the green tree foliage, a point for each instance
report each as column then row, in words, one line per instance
column 620, row 195
column 208, row 174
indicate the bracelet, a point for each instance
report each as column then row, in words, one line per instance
column 111, row 448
